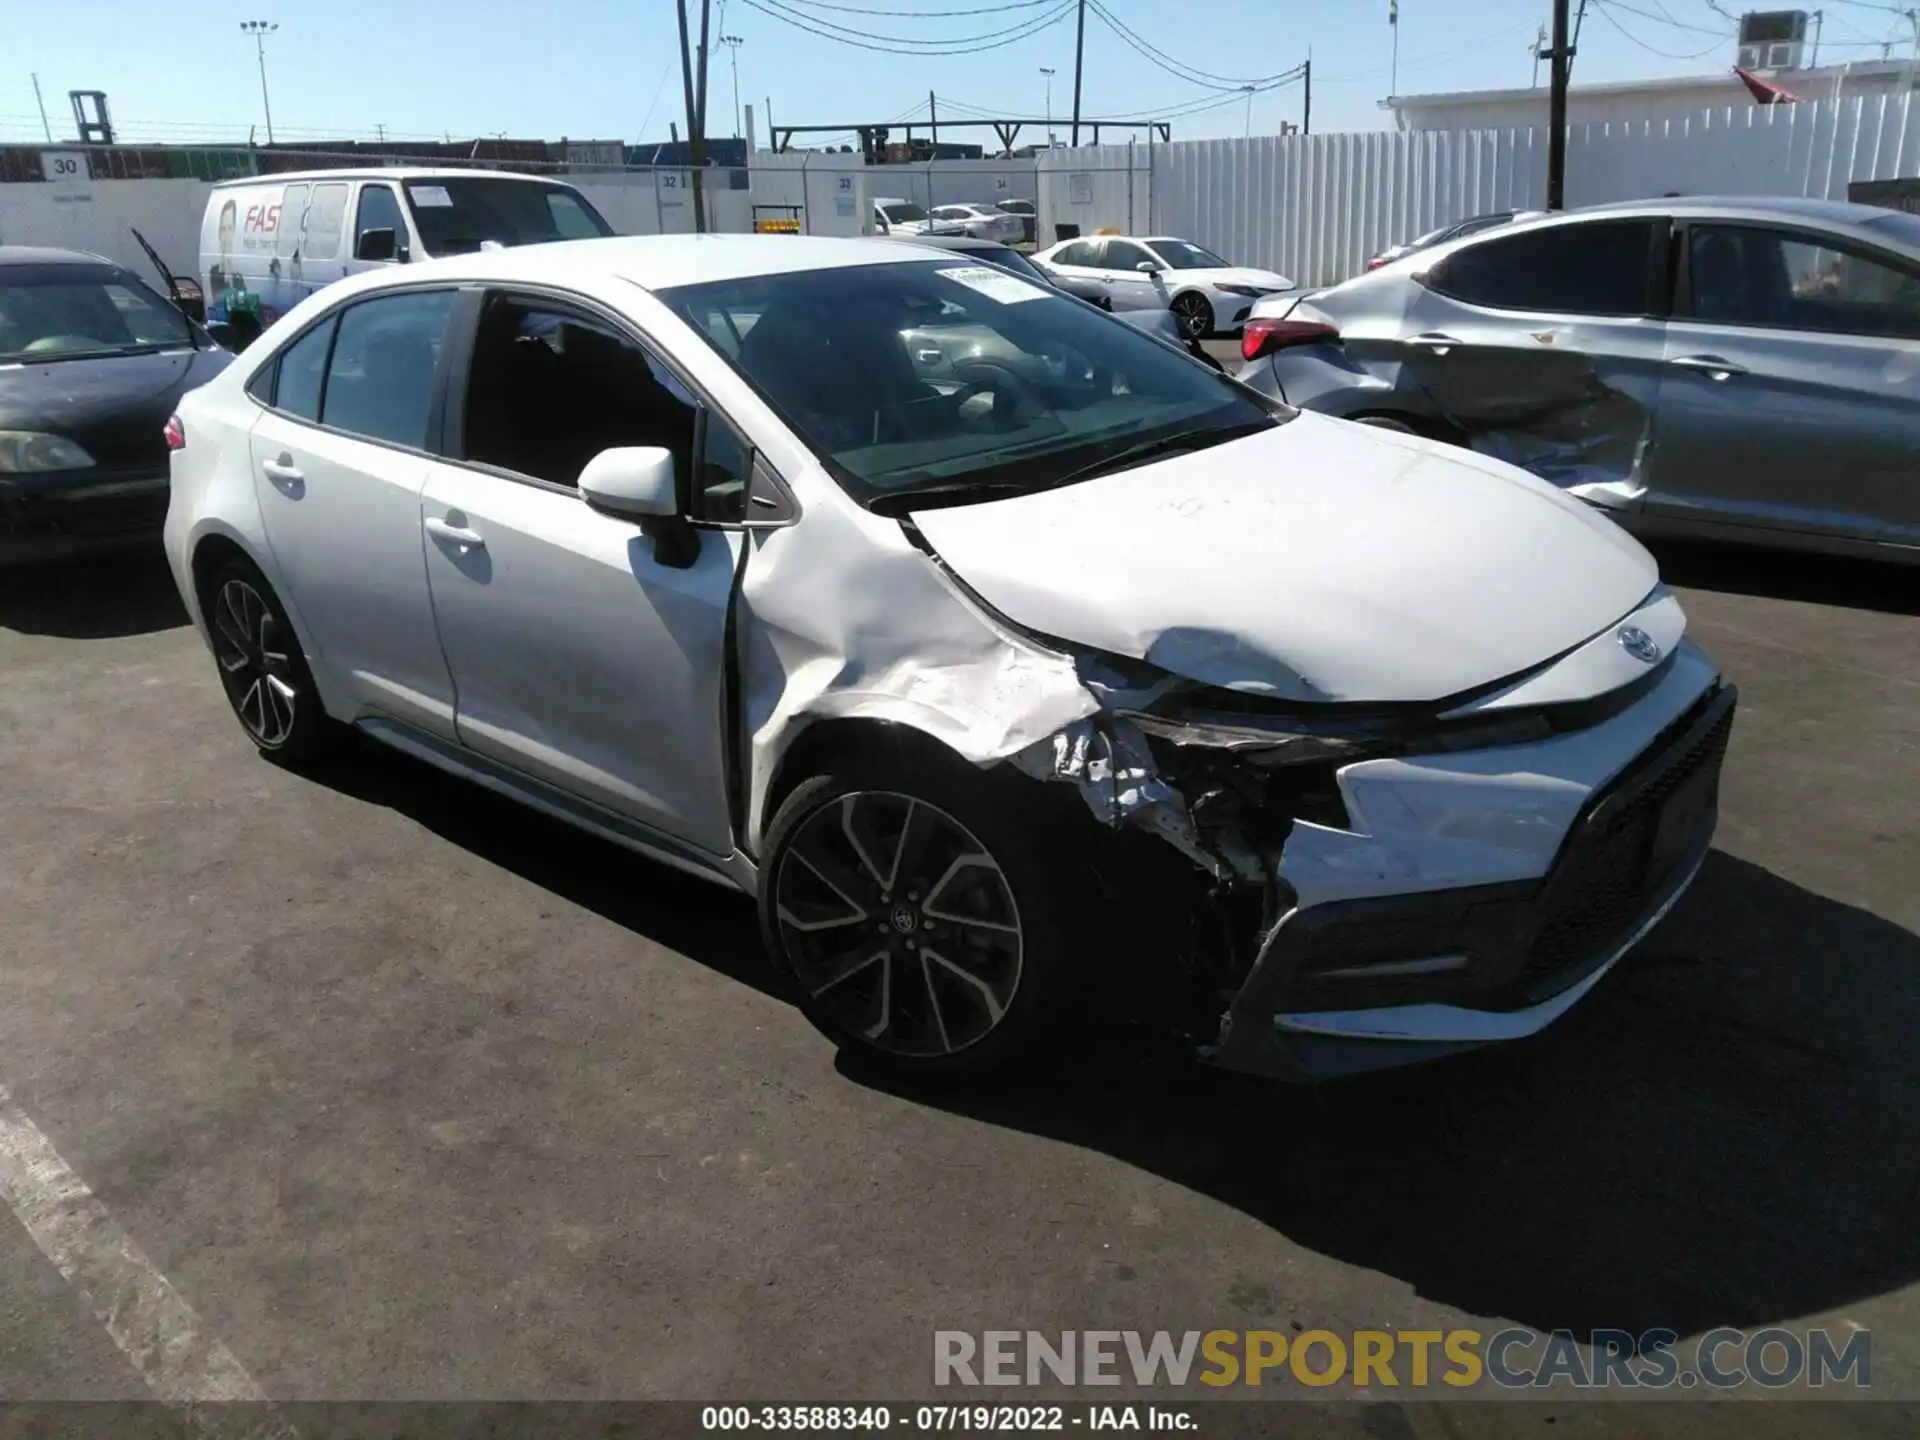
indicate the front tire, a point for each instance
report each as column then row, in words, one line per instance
column 1195, row 315
column 262, row 669
column 929, row 922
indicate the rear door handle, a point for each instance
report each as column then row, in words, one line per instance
column 282, row 469
column 1439, row 344
column 455, row 534
column 1712, row 366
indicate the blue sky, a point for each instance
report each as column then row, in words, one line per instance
column 608, row 68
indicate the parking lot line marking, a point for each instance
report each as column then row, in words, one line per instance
column 185, row 1366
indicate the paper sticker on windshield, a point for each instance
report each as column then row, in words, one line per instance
column 996, row 284
column 434, row 196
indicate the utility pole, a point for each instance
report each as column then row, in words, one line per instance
column 43, row 109
column 1249, row 90
column 693, row 114
column 1306, row 108
column 704, row 53
column 733, row 44
column 1539, row 49
column 259, row 30
column 1048, row 72
column 1559, row 57
column 1079, row 61
column 1393, row 20
column 933, row 119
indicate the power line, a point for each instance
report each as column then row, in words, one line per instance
column 922, row 14
column 1663, row 18
column 905, row 45
column 1191, row 74
column 1604, row 9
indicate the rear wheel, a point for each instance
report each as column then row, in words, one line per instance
column 1195, row 315
column 262, row 670
column 924, row 917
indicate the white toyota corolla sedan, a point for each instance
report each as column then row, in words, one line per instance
column 1016, row 663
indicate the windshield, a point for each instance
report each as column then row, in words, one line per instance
column 63, row 312
column 898, row 211
column 940, row 382
column 1185, row 255
column 1011, row 260
column 455, row 214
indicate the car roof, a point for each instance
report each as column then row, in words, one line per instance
column 389, row 172
column 651, row 262
column 46, row 255
column 1836, row 212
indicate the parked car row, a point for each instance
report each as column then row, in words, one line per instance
column 1008, row 222
column 1026, row 673
column 1740, row 369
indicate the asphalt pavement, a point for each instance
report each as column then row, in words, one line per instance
column 408, row 1093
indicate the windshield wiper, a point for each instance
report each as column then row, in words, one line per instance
column 1180, row 441
column 903, row 502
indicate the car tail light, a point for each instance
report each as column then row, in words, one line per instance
column 175, row 432
column 1263, row 337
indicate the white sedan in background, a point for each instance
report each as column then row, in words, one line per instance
column 982, row 222
column 1205, row 293
column 889, row 588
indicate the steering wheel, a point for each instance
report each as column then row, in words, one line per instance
column 984, row 377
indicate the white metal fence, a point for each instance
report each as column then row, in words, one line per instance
column 1315, row 207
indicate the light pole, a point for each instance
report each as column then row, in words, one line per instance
column 1048, row 72
column 259, row 30
column 1249, row 90
column 733, row 43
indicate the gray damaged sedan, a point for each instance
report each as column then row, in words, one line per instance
column 1743, row 369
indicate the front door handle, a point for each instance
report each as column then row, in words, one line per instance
column 1712, row 366
column 455, row 534
column 1439, row 344
column 283, row 470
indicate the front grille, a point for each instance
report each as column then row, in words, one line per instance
column 83, row 518
column 1610, row 871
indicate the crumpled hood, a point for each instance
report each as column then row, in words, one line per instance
column 1319, row 561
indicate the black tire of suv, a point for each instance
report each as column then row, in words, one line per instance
column 313, row 734
column 1037, row 850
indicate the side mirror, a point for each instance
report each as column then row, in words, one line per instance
column 1147, row 267
column 375, row 245
column 637, row 483
column 634, row 482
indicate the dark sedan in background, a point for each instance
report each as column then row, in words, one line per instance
column 92, row 363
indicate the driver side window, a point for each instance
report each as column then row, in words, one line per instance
column 1123, row 255
column 551, row 388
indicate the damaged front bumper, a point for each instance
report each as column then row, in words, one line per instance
column 1468, row 896
column 1360, row 984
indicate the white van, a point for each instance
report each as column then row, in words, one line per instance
column 268, row 242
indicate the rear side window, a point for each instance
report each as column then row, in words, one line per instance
column 326, row 218
column 1594, row 269
column 303, row 371
column 380, row 381
column 293, row 215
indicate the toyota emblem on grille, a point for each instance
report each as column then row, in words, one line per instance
column 1640, row 645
